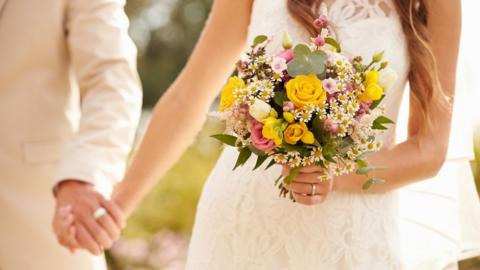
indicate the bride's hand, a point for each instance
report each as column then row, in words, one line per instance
column 307, row 187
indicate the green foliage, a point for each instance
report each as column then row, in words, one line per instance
column 226, row 139
column 293, row 173
column 306, row 62
column 380, row 123
column 259, row 39
column 333, row 43
column 243, row 156
column 260, row 160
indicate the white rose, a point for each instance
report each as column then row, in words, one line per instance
column 387, row 78
column 260, row 109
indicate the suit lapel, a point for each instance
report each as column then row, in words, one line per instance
column 2, row 5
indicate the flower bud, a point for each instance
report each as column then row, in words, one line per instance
column 378, row 57
column 287, row 42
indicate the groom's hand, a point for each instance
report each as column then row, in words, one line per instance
column 91, row 234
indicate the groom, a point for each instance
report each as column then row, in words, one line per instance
column 70, row 100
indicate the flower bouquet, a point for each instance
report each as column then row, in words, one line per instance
column 308, row 104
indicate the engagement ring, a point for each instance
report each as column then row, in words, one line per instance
column 100, row 212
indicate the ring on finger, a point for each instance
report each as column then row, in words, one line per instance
column 99, row 212
column 314, row 188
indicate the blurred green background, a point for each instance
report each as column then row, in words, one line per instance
column 157, row 234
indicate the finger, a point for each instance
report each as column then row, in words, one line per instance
column 63, row 211
column 107, row 222
column 114, row 211
column 307, row 189
column 86, row 240
column 311, row 169
column 95, row 230
column 308, row 200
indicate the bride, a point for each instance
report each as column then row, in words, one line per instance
column 241, row 222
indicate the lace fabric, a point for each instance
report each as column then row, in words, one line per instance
column 242, row 224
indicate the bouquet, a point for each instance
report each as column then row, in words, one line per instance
column 308, row 104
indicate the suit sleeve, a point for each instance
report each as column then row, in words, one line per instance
column 103, row 58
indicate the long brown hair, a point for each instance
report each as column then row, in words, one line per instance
column 423, row 76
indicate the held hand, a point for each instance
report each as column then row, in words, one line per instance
column 91, row 233
column 310, row 186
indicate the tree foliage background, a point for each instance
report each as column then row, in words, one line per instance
column 165, row 32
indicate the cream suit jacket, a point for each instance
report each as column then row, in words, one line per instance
column 70, row 101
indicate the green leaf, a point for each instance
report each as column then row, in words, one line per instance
column 293, row 173
column 272, row 162
column 384, row 120
column 301, row 51
column 299, row 67
column 260, row 161
column 317, row 130
column 226, row 139
column 333, row 43
column 372, row 181
column 376, row 103
column 317, row 59
column 365, row 155
column 361, row 163
column 259, row 39
column 244, row 155
column 378, row 126
column 279, row 98
column 296, row 148
column 367, row 169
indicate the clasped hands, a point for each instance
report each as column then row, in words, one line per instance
column 75, row 222
column 78, row 227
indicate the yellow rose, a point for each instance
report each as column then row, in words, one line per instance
column 296, row 132
column 226, row 99
column 373, row 91
column 304, row 90
column 273, row 129
column 371, row 77
column 289, row 117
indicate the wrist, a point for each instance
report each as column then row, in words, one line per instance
column 68, row 184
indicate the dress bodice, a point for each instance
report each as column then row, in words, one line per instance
column 363, row 27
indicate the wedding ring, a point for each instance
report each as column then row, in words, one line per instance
column 100, row 212
column 314, row 187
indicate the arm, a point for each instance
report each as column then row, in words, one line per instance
column 179, row 114
column 103, row 61
column 423, row 153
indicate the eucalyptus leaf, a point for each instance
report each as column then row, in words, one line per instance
column 244, row 155
column 301, row 51
column 260, row 161
column 226, row 139
column 317, row 60
column 293, row 173
column 299, row 67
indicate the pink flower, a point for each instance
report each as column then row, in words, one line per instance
column 330, row 125
column 364, row 107
column 286, row 54
column 330, row 85
column 260, row 142
column 279, row 64
column 321, row 22
column 288, row 106
column 319, row 41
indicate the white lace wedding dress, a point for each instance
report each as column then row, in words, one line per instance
column 242, row 224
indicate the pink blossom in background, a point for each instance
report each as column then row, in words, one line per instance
column 321, row 22
column 286, row 54
column 258, row 140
